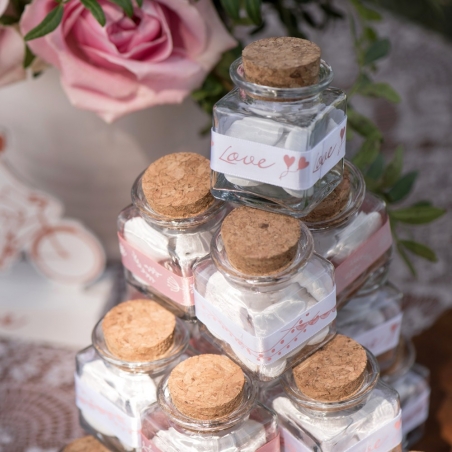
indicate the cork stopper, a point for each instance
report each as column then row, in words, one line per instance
column 282, row 62
column 333, row 373
column 334, row 203
column 178, row 185
column 138, row 330
column 206, row 387
column 85, row 444
column 259, row 242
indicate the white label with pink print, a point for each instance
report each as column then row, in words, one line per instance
column 295, row 170
column 266, row 350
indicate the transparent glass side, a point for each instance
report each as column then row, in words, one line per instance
column 295, row 125
column 364, row 317
column 332, row 431
column 263, row 309
column 109, row 388
column 175, row 249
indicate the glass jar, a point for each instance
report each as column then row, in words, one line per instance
column 249, row 428
column 356, row 238
column 411, row 381
column 159, row 253
column 367, row 420
column 267, row 323
column 278, row 149
column 111, row 393
column 375, row 322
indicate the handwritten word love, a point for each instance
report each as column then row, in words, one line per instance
column 233, row 158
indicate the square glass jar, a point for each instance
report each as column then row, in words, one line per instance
column 301, row 133
column 112, row 393
column 251, row 427
column 266, row 323
column 357, row 240
column 158, row 253
column 374, row 321
column 368, row 418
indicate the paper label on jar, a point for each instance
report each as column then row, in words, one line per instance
column 295, row 170
column 415, row 412
column 176, row 288
column 105, row 417
column 362, row 258
column 268, row 349
column 383, row 337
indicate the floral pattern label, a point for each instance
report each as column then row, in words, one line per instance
column 266, row 350
column 296, row 170
column 177, row 288
column 101, row 412
column 415, row 412
column 383, row 337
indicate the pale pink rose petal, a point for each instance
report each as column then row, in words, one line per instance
column 12, row 53
column 3, row 6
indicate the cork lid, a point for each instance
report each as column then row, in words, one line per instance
column 85, row 444
column 282, row 62
column 178, row 185
column 334, row 203
column 259, row 242
column 138, row 330
column 334, row 372
column 206, row 387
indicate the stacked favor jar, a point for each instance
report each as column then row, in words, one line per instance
column 247, row 258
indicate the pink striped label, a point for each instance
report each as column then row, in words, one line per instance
column 361, row 259
column 177, row 288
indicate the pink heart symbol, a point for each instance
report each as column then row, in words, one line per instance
column 289, row 161
column 394, row 327
column 302, row 163
column 342, row 132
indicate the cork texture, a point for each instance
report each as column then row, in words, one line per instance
column 85, row 444
column 334, row 203
column 206, row 387
column 259, row 242
column 334, row 372
column 138, row 330
column 282, row 62
column 178, row 185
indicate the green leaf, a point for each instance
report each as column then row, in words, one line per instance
column 370, row 34
column 419, row 249
column 422, row 203
column 362, row 125
column 402, row 187
column 95, row 9
column 49, row 24
column 126, row 5
column 417, row 214
column 29, row 57
column 406, row 259
column 381, row 90
column 365, row 12
column 367, row 154
column 376, row 50
column 8, row 20
column 253, row 9
column 140, row 3
column 375, row 170
column 232, row 8
column 394, row 169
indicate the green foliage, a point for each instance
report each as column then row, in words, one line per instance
column 95, row 9
column 50, row 23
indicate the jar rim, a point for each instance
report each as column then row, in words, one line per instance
column 140, row 202
column 355, row 200
column 180, row 344
column 371, row 378
column 225, row 422
column 305, row 249
column 238, row 77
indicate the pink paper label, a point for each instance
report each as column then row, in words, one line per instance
column 383, row 337
column 176, row 288
column 296, row 170
column 361, row 259
column 415, row 412
column 265, row 350
column 272, row 446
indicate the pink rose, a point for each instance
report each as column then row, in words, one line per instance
column 12, row 54
column 3, row 5
column 158, row 57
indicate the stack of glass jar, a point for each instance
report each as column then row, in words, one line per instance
column 253, row 263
